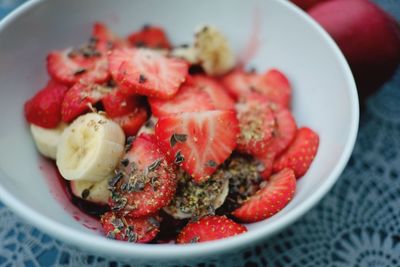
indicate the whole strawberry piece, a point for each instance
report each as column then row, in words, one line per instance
column 208, row 229
column 151, row 37
column 147, row 72
column 198, row 141
column 144, row 181
column 126, row 228
column 44, row 109
column 270, row 199
column 300, row 153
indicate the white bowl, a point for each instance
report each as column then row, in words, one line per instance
column 324, row 98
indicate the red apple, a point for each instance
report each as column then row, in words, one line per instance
column 306, row 4
column 368, row 37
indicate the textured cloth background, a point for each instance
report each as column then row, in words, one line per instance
column 356, row 224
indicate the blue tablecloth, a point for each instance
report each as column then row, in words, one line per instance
column 356, row 224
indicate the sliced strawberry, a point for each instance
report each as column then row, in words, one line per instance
column 105, row 39
column 273, row 84
column 257, row 123
column 198, row 93
column 239, row 83
column 132, row 122
column 117, row 104
column 126, row 228
column 79, row 98
column 44, row 108
column 208, row 229
column 127, row 110
column 188, row 99
column 300, row 153
column 266, row 164
column 198, row 141
column 70, row 66
column 219, row 97
column 284, row 132
column 144, row 181
column 270, row 199
column 146, row 72
column 151, row 37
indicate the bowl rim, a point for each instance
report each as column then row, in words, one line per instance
column 100, row 245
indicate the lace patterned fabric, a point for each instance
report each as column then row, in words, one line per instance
column 356, row 224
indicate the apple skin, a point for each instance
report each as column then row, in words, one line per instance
column 368, row 37
column 306, row 4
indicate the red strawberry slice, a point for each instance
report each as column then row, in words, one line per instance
column 128, row 110
column 198, row 141
column 257, row 123
column 72, row 65
column 79, row 98
column 208, row 229
column 126, row 228
column 300, row 153
column 144, row 181
column 188, row 99
column 284, row 132
column 273, row 84
column 270, row 199
column 146, row 72
column 151, row 37
column 238, row 83
column 44, row 108
column 266, row 164
column 132, row 122
column 118, row 104
column 219, row 97
column 198, row 93
column 105, row 39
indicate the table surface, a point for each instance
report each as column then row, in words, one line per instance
column 356, row 224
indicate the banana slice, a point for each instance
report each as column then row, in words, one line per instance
column 193, row 199
column 186, row 52
column 90, row 148
column 148, row 126
column 47, row 140
column 96, row 192
column 213, row 51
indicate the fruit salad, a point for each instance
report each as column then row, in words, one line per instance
column 172, row 143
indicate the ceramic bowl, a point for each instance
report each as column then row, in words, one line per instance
column 324, row 98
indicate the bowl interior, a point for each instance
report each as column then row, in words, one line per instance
column 324, row 95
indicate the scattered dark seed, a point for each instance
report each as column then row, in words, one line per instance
column 80, row 71
column 140, row 44
column 153, row 221
column 111, row 235
column 113, row 182
column 183, row 46
column 175, row 138
column 129, row 142
column 125, row 162
column 194, row 240
column 179, row 158
column 85, row 193
column 212, row 164
column 153, row 166
column 142, row 78
column 118, row 224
